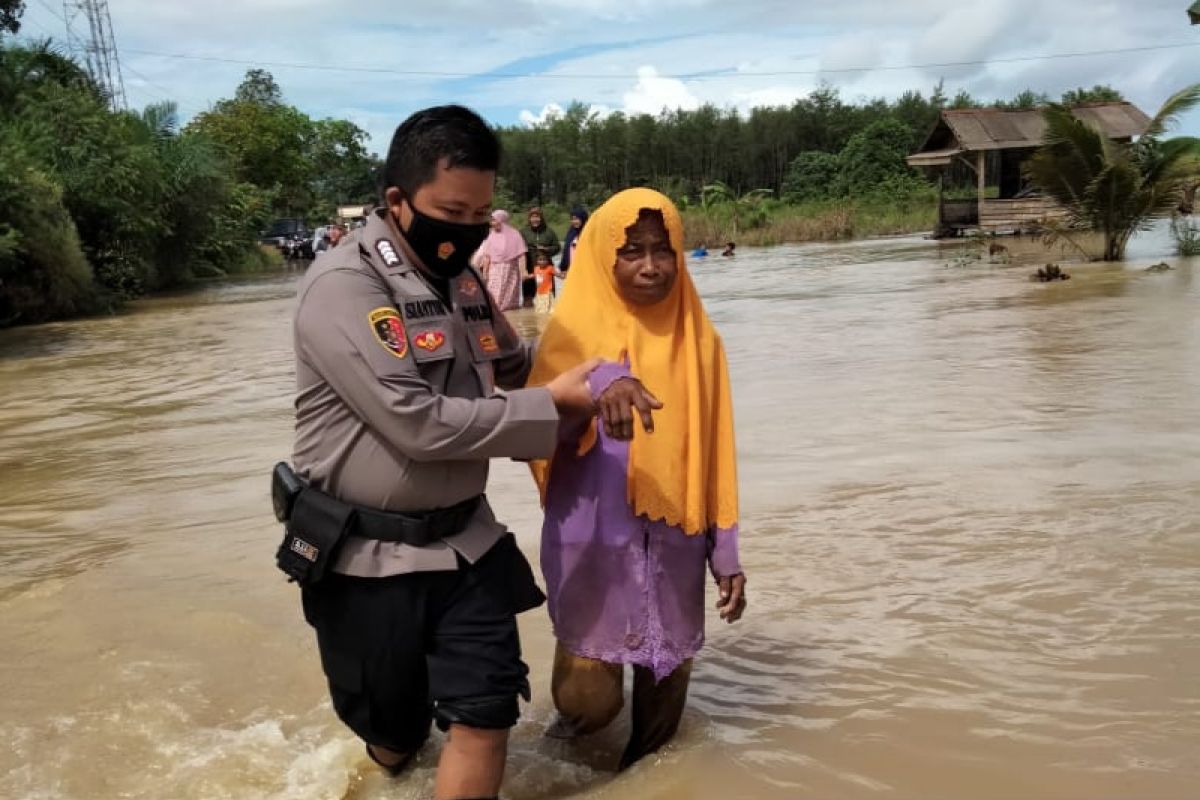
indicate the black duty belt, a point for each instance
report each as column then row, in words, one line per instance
column 419, row 528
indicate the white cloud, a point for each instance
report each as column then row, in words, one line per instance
column 549, row 111
column 702, row 50
column 770, row 96
column 653, row 93
column 553, row 110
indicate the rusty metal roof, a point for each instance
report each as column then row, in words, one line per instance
column 975, row 129
column 933, row 158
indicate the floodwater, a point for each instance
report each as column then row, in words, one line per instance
column 971, row 514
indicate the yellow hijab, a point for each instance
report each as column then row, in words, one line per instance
column 685, row 472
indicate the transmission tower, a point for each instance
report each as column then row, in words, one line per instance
column 92, row 38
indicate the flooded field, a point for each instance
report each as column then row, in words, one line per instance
column 971, row 514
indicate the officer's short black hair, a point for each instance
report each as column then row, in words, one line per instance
column 419, row 144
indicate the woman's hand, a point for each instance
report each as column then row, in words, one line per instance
column 732, row 602
column 616, row 405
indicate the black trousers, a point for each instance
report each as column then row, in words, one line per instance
column 403, row 651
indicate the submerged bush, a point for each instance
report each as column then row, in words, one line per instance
column 1186, row 232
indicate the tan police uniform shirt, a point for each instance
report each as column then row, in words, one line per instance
column 396, row 407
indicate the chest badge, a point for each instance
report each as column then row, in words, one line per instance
column 468, row 287
column 429, row 340
column 488, row 343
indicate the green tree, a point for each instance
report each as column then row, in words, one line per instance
column 1113, row 188
column 97, row 205
column 918, row 114
column 1024, row 101
column 812, row 175
column 268, row 143
column 27, row 70
column 43, row 273
column 1096, row 94
column 747, row 209
column 964, row 100
column 874, row 156
column 343, row 170
column 259, row 88
column 580, row 156
column 103, row 166
column 10, row 15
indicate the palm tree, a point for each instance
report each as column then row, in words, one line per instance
column 1115, row 188
column 25, row 68
column 748, row 211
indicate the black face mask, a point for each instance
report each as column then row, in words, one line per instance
column 444, row 247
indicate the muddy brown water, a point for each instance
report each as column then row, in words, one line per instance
column 971, row 530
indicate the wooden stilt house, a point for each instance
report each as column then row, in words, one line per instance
column 977, row 155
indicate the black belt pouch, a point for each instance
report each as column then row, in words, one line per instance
column 313, row 536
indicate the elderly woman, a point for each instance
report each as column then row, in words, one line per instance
column 634, row 517
column 500, row 258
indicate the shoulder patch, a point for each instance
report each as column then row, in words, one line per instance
column 389, row 330
column 387, row 252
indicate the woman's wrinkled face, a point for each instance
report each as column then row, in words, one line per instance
column 646, row 265
column 495, row 223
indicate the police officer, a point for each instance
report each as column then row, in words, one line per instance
column 399, row 350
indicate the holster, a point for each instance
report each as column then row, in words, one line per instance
column 285, row 488
column 316, row 524
column 314, row 533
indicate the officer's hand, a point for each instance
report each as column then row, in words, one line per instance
column 570, row 391
column 617, row 403
column 733, row 597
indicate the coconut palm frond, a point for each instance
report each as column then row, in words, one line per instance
column 1175, row 161
column 1061, row 173
column 1069, row 134
column 1177, row 104
column 1179, row 148
column 162, row 119
column 1113, row 187
column 1070, row 159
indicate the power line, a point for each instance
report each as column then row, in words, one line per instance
column 167, row 94
column 44, row 5
column 39, row 26
column 694, row 76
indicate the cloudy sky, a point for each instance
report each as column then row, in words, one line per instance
column 374, row 63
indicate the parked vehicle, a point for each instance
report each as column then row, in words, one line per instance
column 291, row 236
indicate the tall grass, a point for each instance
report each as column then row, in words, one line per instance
column 817, row 221
column 811, row 221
